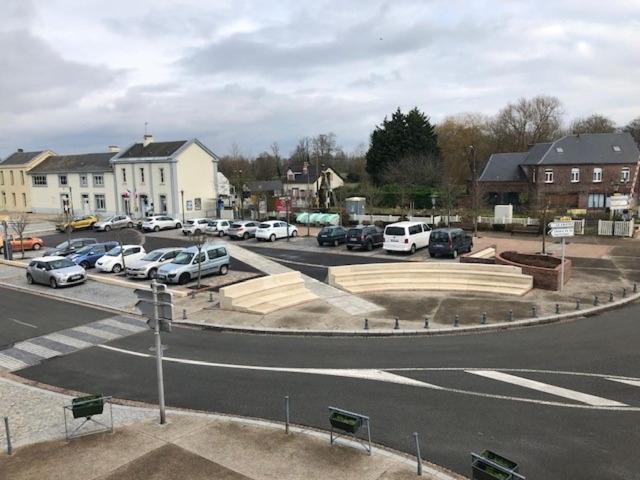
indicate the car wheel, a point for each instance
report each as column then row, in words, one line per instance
column 369, row 246
column 184, row 279
column 413, row 248
column 432, row 255
column 117, row 268
column 197, row 231
column 156, row 228
column 245, row 236
column 53, row 283
column 178, row 225
column 454, row 254
column 272, row 238
column 294, row 233
column 84, row 265
column 224, row 269
column 29, row 279
column 153, row 273
column 349, row 247
column 107, row 228
column 37, row 246
column 221, row 233
column 129, row 225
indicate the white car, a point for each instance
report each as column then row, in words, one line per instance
column 160, row 222
column 147, row 266
column 217, row 227
column 195, row 226
column 115, row 259
column 274, row 229
column 406, row 237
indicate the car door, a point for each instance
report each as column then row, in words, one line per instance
column 426, row 233
column 95, row 253
column 119, row 222
column 42, row 272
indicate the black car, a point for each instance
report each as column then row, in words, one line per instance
column 449, row 241
column 67, row 248
column 365, row 237
column 332, row 235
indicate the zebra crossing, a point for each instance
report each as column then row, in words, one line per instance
column 34, row 350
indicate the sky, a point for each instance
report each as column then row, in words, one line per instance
column 80, row 75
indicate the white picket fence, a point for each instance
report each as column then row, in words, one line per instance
column 507, row 220
column 394, row 218
column 617, row 229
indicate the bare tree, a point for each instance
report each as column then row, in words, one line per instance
column 324, row 146
column 593, row 124
column 19, row 225
column 450, row 191
column 409, row 172
column 633, row 127
column 199, row 239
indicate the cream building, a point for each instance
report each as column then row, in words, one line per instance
column 15, row 187
column 85, row 183
column 177, row 178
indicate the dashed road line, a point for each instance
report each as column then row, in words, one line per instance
column 20, row 322
column 633, row 383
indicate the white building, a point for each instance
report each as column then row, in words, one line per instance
column 85, row 183
column 177, row 178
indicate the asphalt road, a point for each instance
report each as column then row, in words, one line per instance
column 552, row 433
column 25, row 316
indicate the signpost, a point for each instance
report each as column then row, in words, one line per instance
column 562, row 230
column 619, row 202
column 157, row 306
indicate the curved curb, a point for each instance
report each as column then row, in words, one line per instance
column 437, row 471
column 493, row 327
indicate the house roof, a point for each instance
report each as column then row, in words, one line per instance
column 504, row 167
column 536, row 152
column 20, row 158
column 85, row 162
column 301, row 177
column 589, row 148
column 265, row 186
column 153, row 149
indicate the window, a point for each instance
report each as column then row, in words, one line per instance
column 13, row 196
column 100, row 203
column 575, row 175
column 124, row 175
column 548, row 176
column 24, row 199
column 597, row 175
column 162, row 175
column 11, row 177
column 596, row 200
column 98, row 180
column 84, row 181
column 559, row 149
column 4, row 198
column 626, row 174
column 63, row 180
column 21, row 177
column 142, row 175
column 39, row 180
column 1, row 178
column 414, row 229
column 616, row 148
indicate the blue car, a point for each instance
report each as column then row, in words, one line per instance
column 87, row 256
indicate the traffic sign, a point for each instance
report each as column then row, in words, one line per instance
column 165, row 307
column 619, row 202
column 562, row 232
column 561, row 225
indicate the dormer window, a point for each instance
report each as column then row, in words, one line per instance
column 559, row 149
column 616, row 148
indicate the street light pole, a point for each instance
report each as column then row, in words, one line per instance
column 306, row 167
column 182, row 203
column 474, row 180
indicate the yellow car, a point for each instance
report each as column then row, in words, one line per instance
column 78, row 223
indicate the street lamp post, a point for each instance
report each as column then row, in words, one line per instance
column 474, row 180
column 306, row 170
column 182, row 203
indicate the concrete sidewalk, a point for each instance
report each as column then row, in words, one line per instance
column 190, row 446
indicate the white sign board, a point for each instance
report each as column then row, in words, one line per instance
column 619, row 202
column 561, row 225
column 562, row 232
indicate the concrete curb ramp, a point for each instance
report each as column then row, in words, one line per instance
column 460, row 277
column 267, row 294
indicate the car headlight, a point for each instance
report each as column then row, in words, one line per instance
column 171, row 275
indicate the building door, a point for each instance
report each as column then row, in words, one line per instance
column 85, row 203
column 126, row 205
column 163, row 204
column 65, row 203
column 143, row 204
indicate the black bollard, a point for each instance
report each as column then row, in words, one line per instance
column 426, row 322
column 511, row 315
column 534, row 311
column 484, row 318
column 596, row 302
column 557, row 308
column 397, row 325
column 624, row 293
column 578, row 304
column 456, row 321
column 366, row 324
column 611, row 296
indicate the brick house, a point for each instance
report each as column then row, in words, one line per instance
column 576, row 171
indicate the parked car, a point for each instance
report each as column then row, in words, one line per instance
column 449, row 241
column 242, row 229
column 55, row 271
column 28, row 243
column 77, row 223
column 147, row 266
column 184, row 268
column 195, row 226
column 406, row 237
column 117, row 221
column 87, row 256
column 217, row 227
column 159, row 222
column 68, row 247
column 332, row 235
column 116, row 258
column 364, row 236
column 274, row 229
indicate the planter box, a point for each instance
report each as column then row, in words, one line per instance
column 346, row 423
column 87, row 406
column 544, row 269
column 483, row 471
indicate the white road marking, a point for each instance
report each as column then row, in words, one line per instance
column 11, row 363
column 123, row 326
column 21, row 323
column 43, row 352
column 634, row 383
column 71, row 341
column 546, row 388
column 96, row 332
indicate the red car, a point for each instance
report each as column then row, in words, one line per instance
column 28, row 243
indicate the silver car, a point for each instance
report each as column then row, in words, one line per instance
column 117, row 221
column 55, row 272
column 147, row 266
column 242, row 229
column 184, row 268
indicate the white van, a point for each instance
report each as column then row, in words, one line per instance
column 406, row 237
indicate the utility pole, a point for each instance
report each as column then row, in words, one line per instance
column 306, row 169
column 156, row 333
column 182, row 203
column 474, row 186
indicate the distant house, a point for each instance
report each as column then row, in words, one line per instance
column 79, row 184
column 178, row 178
column 303, row 188
column 576, row 171
column 15, row 188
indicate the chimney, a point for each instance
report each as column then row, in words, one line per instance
column 114, row 148
column 20, row 150
column 147, row 139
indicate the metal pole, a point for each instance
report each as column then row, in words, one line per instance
column 308, row 202
column 562, row 268
column 154, row 289
column 286, row 208
column 418, row 457
column 8, row 434
column 286, row 408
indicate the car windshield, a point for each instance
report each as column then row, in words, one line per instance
column 85, row 249
column 395, row 231
column 114, row 252
column 63, row 244
column 265, row 225
column 152, row 256
column 110, row 219
column 189, row 222
column 327, row 229
column 62, row 263
column 183, row 258
column 355, row 232
column 439, row 237
column 149, row 219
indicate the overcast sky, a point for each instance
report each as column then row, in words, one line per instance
column 79, row 75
